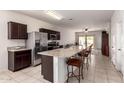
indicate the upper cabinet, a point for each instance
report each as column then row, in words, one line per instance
column 17, row 31
column 52, row 35
column 58, row 35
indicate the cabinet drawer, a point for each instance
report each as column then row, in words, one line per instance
column 23, row 52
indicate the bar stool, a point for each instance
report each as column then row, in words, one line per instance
column 74, row 62
column 88, row 51
column 84, row 54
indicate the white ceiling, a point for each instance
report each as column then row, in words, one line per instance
column 80, row 18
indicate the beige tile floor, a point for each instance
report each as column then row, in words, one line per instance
column 100, row 70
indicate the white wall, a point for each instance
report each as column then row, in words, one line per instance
column 68, row 36
column 33, row 25
column 117, row 40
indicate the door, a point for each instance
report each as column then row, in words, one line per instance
column 118, row 46
column 105, row 43
column 113, row 49
column 118, row 49
column 113, row 43
column 89, row 38
column 121, row 48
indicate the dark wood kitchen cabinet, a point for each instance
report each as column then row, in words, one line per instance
column 19, row 59
column 58, row 35
column 47, row 67
column 17, row 31
column 50, row 32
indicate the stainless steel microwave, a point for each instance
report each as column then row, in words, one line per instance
column 53, row 36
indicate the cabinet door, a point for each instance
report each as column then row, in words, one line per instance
column 48, row 36
column 22, row 59
column 13, row 30
column 22, row 31
column 26, row 59
column 58, row 36
column 18, row 62
column 47, row 67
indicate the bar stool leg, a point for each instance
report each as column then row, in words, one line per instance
column 82, row 71
column 87, row 64
column 90, row 57
column 68, row 73
column 82, row 66
column 72, row 72
column 79, row 75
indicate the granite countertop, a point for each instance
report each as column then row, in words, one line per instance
column 63, row 52
column 15, row 49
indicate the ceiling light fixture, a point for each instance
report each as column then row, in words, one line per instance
column 86, row 29
column 53, row 14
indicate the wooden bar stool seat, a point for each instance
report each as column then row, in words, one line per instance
column 74, row 62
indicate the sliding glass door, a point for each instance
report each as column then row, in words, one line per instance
column 89, row 38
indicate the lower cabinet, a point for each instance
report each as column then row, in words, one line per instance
column 19, row 59
column 47, row 67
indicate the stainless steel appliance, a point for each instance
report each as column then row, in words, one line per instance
column 37, row 41
column 53, row 45
column 53, row 37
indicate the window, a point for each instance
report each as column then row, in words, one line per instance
column 90, row 40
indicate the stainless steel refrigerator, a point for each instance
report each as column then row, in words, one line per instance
column 37, row 41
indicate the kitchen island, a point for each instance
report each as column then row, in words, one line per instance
column 54, row 67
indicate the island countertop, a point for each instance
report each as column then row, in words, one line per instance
column 63, row 52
